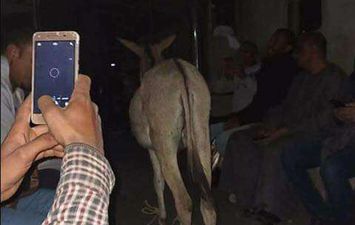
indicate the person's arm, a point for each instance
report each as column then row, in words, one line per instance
column 7, row 114
column 84, row 188
column 86, row 180
column 323, row 118
column 21, row 148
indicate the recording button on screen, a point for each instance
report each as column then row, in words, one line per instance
column 54, row 72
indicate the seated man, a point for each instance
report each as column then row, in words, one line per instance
column 273, row 80
column 305, row 114
column 16, row 76
column 224, row 45
column 85, row 173
column 244, row 90
column 244, row 78
column 336, row 159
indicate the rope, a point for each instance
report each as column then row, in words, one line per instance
column 148, row 209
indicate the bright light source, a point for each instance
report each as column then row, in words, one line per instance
column 113, row 64
column 71, row 43
column 55, row 43
column 39, row 44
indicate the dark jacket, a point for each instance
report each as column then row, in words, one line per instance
column 273, row 82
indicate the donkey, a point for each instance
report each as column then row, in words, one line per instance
column 171, row 109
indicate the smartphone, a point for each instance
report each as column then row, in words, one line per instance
column 55, row 65
column 337, row 104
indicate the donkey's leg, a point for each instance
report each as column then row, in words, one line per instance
column 206, row 205
column 167, row 155
column 208, row 212
column 159, row 184
column 203, row 150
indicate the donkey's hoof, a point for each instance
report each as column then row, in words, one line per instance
column 176, row 221
column 162, row 221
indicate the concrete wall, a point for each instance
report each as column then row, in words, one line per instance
column 339, row 28
column 257, row 19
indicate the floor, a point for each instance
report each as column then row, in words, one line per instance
column 134, row 187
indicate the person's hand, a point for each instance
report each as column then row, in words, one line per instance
column 79, row 122
column 22, row 147
column 262, row 133
column 278, row 133
column 346, row 114
column 232, row 123
column 274, row 135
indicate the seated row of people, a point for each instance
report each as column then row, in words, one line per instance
column 297, row 128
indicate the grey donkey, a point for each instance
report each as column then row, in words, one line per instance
column 169, row 111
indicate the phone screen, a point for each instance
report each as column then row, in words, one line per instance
column 54, row 71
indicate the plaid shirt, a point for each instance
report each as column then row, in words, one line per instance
column 83, row 192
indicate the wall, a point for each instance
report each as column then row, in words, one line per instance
column 257, row 19
column 339, row 28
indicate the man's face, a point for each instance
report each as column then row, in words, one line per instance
column 248, row 58
column 277, row 45
column 21, row 66
column 304, row 56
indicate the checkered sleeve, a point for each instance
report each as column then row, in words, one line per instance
column 83, row 193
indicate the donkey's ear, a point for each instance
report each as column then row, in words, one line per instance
column 138, row 50
column 164, row 44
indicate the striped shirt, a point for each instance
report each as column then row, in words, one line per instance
column 83, row 193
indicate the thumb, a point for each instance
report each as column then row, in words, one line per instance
column 48, row 108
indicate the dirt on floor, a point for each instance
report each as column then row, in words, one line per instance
column 134, row 188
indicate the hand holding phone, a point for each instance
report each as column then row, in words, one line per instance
column 79, row 122
column 54, row 68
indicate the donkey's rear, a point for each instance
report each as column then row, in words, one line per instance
column 171, row 108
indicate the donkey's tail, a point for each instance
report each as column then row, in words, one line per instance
column 197, row 171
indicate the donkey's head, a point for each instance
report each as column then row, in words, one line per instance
column 149, row 54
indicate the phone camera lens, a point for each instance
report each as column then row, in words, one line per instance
column 54, row 72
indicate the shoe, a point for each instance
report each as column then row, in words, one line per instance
column 232, row 198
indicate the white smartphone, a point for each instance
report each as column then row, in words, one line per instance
column 55, row 66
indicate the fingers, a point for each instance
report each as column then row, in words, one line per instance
column 50, row 153
column 23, row 115
column 49, row 109
column 37, row 131
column 24, row 111
column 82, row 87
column 30, row 150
